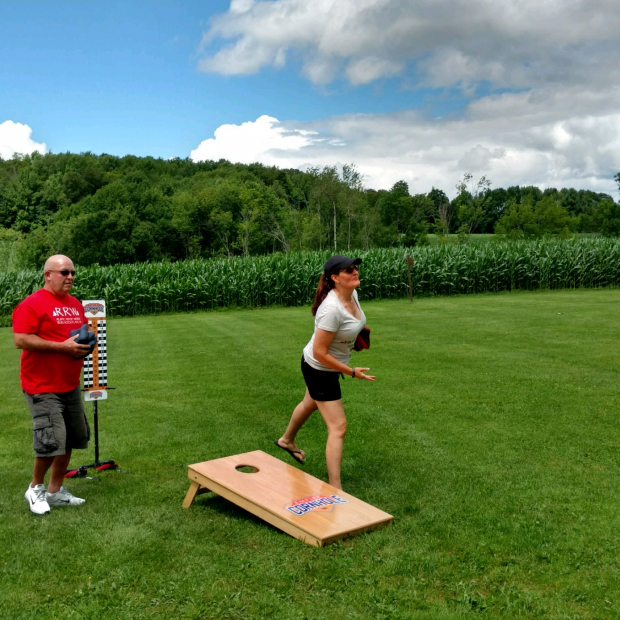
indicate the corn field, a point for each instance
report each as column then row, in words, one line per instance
column 290, row 279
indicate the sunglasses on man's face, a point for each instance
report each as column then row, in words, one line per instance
column 351, row 269
column 64, row 272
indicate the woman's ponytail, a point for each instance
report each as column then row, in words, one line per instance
column 325, row 285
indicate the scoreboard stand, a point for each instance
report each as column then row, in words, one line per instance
column 97, row 464
column 95, row 381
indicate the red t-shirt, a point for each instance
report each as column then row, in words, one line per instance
column 52, row 318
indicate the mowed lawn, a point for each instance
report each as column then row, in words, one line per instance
column 491, row 434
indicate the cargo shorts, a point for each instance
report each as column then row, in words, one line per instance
column 58, row 422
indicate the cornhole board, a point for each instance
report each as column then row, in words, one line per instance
column 287, row 498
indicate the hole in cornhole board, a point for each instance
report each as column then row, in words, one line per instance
column 247, row 469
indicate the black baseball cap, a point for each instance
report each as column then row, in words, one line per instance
column 337, row 263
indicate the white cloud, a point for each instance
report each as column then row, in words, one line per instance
column 15, row 138
column 560, row 125
column 509, row 43
column 364, row 70
column 240, row 6
column 265, row 140
column 513, row 139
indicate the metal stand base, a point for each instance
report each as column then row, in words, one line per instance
column 82, row 470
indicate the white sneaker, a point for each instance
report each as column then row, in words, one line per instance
column 35, row 496
column 62, row 497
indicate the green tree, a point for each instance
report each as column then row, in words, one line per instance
column 222, row 224
column 188, row 223
column 553, row 219
column 313, row 232
column 471, row 202
column 371, row 232
column 442, row 212
column 529, row 219
column 326, row 193
column 10, row 241
column 403, row 215
column 610, row 219
column 352, row 200
column 252, row 212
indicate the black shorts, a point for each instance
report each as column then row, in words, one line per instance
column 322, row 384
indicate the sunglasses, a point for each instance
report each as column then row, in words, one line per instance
column 351, row 269
column 64, row 272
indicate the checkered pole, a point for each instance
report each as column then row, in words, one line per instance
column 96, row 372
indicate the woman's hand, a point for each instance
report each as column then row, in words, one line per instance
column 359, row 374
column 322, row 340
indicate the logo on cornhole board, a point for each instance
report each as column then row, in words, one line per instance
column 319, row 503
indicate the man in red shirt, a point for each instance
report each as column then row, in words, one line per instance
column 51, row 363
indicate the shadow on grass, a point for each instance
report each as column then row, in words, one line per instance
column 224, row 507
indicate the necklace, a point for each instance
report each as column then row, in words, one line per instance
column 345, row 302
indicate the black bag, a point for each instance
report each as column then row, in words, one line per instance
column 85, row 337
column 363, row 340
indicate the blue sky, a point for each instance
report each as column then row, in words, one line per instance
column 122, row 77
column 118, row 77
column 424, row 91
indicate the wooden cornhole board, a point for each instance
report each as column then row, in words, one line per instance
column 285, row 497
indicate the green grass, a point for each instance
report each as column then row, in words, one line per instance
column 491, row 434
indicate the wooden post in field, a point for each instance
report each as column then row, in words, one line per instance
column 409, row 265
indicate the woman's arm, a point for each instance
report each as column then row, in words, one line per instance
column 322, row 340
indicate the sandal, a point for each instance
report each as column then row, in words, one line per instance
column 296, row 454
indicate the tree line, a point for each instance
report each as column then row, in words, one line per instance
column 108, row 210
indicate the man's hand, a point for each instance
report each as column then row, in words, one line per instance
column 75, row 350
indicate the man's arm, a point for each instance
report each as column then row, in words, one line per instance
column 32, row 342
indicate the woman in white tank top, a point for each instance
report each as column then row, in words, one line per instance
column 338, row 320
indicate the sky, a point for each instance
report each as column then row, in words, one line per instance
column 523, row 92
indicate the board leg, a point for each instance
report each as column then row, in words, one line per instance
column 191, row 493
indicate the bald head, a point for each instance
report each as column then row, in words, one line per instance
column 56, row 281
column 53, row 262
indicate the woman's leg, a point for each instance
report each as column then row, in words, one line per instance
column 300, row 414
column 333, row 414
